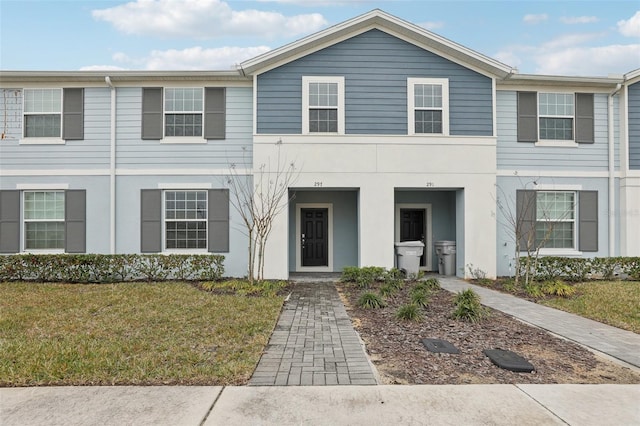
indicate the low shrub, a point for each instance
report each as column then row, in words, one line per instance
column 107, row 268
column 581, row 269
column 388, row 290
column 370, row 300
column 468, row 307
column 534, row 290
column 432, row 283
column 363, row 277
column 409, row 312
column 420, row 298
column 557, row 288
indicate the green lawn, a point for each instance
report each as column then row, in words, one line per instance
column 134, row 333
column 615, row 303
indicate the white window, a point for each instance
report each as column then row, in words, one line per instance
column 428, row 106
column 183, row 110
column 323, row 105
column 556, row 112
column 185, row 220
column 44, row 220
column 556, row 219
column 42, row 113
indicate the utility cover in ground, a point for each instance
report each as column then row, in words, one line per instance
column 509, row 360
column 438, row 345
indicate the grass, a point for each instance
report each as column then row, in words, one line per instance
column 134, row 333
column 616, row 303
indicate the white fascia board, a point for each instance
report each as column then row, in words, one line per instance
column 518, row 81
column 383, row 21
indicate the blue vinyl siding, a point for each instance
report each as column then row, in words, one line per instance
column 507, row 195
column 92, row 152
column 376, row 66
column 634, row 126
column 133, row 152
column 512, row 154
column 97, row 203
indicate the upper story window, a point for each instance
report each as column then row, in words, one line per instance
column 183, row 110
column 183, row 115
column 556, row 111
column 555, row 119
column 42, row 113
column 428, row 106
column 53, row 115
column 323, row 105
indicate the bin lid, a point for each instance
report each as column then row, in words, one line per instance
column 445, row 243
column 409, row 244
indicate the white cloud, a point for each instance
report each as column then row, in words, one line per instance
column 592, row 61
column 630, row 27
column 570, row 40
column 535, row 19
column 193, row 58
column 432, row 25
column 102, row 68
column 578, row 19
column 203, row 19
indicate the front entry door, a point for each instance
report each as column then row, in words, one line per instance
column 412, row 228
column 314, row 238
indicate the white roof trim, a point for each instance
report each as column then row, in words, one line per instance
column 385, row 22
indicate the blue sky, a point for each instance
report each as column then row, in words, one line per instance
column 592, row 38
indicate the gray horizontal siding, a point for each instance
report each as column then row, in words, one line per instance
column 133, row 152
column 512, row 154
column 634, row 126
column 376, row 66
column 90, row 152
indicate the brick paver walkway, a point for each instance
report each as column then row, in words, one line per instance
column 314, row 343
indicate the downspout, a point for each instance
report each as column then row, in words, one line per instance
column 612, row 173
column 112, row 170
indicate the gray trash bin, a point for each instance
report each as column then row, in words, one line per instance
column 446, row 252
column 408, row 254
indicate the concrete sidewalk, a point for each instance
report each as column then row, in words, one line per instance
column 582, row 405
column 617, row 343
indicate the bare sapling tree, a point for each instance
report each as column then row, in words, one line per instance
column 259, row 201
column 530, row 227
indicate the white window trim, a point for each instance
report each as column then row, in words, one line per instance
column 570, row 143
column 181, row 139
column 23, row 221
column 411, row 83
column 24, row 140
column 306, row 80
column 164, row 223
column 563, row 251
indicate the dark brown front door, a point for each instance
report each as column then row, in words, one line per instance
column 314, row 238
column 412, row 228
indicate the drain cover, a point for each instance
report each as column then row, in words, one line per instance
column 509, row 360
column 438, row 345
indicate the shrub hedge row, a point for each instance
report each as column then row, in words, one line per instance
column 581, row 269
column 105, row 268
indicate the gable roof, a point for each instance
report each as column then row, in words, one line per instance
column 377, row 19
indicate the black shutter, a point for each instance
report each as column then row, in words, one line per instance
column 10, row 221
column 73, row 114
column 150, row 220
column 588, row 221
column 152, row 113
column 526, row 218
column 527, row 117
column 215, row 112
column 218, row 222
column 584, row 118
column 75, row 228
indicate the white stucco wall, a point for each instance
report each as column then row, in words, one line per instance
column 377, row 166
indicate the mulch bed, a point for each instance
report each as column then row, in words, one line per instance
column 395, row 347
